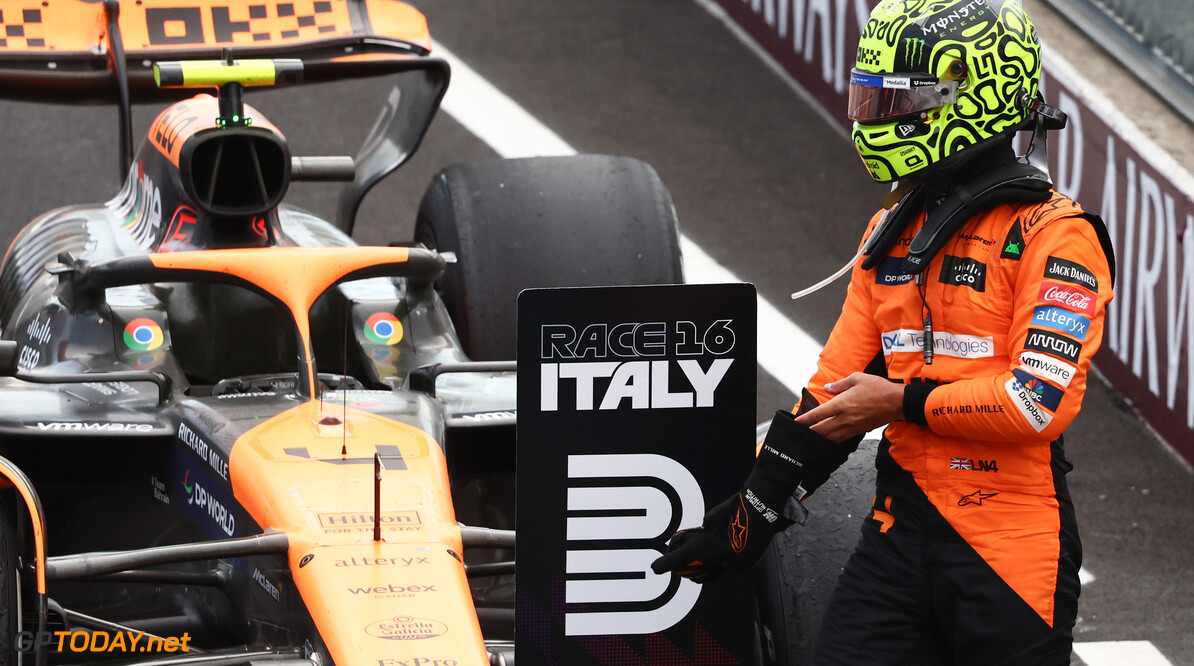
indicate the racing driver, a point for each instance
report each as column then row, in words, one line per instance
column 968, row 328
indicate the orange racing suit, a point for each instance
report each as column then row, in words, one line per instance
column 1017, row 298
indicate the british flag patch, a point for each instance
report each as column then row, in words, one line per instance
column 961, row 463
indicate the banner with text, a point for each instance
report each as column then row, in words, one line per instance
column 636, row 410
column 1101, row 160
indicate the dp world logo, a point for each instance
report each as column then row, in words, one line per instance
column 630, row 514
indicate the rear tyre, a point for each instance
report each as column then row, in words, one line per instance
column 799, row 570
column 585, row 220
column 10, row 610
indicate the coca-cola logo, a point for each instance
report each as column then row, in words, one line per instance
column 1070, row 298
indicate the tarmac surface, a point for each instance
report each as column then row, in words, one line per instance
column 760, row 181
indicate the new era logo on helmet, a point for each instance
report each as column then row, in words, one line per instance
column 620, row 592
column 906, row 130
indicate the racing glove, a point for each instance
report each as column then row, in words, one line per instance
column 793, row 462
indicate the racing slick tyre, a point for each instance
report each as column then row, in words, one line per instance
column 799, row 570
column 514, row 224
column 9, row 608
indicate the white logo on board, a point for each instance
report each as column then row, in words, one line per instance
column 637, row 517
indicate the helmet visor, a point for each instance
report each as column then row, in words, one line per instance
column 878, row 97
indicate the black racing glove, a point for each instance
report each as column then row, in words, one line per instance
column 793, row 462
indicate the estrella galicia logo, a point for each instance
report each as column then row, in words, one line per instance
column 614, row 584
column 891, row 273
column 1068, row 271
column 1043, row 393
column 964, row 272
column 1013, row 245
column 1061, row 320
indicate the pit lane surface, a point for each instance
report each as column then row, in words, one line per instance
column 762, row 183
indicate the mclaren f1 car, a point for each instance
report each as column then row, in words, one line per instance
column 229, row 433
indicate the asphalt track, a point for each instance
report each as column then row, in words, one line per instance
column 761, row 182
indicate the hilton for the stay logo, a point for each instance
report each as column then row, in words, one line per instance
column 351, row 522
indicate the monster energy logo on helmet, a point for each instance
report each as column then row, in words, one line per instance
column 914, row 53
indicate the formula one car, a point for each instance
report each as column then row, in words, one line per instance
column 231, row 435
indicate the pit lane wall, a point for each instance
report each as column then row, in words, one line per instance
column 1101, row 160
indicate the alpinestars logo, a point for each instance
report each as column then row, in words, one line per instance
column 739, row 529
column 976, row 498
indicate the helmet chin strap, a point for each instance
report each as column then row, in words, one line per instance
column 1026, row 180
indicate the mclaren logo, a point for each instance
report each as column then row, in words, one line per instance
column 914, row 52
column 614, row 583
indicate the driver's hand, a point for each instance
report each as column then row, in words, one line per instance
column 732, row 536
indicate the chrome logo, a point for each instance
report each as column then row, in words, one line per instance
column 383, row 328
column 143, row 335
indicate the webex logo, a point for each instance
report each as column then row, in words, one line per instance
column 630, row 520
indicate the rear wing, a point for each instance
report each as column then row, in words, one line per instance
column 73, row 51
column 104, row 52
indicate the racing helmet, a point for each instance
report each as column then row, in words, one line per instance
column 935, row 78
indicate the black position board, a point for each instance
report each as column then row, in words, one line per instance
column 636, row 410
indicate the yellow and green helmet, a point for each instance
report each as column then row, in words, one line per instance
column 934, row 78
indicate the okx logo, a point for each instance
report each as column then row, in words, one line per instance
column 626, row 517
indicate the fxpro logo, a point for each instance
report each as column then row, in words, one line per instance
column 613, row 582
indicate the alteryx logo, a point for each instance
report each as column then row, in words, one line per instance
column 1061, row 320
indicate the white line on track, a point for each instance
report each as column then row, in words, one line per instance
column 785, row 351
column 1120, row 653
